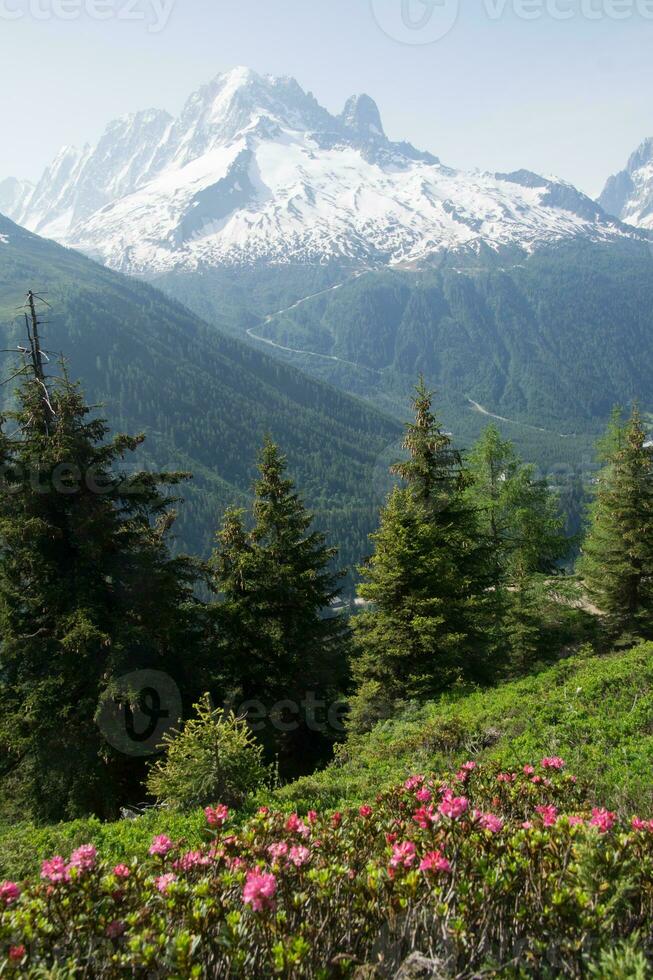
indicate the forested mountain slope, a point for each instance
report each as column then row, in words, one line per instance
column 204, row 400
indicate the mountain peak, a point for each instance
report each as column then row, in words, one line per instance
column 361, row 114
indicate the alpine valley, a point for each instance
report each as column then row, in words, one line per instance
column 363, row 261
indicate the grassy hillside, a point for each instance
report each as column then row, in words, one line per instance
column 596, row 712
column 204, row 400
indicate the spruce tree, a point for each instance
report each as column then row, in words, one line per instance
column 282, row 649
column 88, row 593
column 430, row 620
column 518, row 513
column 520, row 518
column 617, row 559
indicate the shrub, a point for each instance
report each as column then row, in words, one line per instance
column 213, row 757
column 479, row 872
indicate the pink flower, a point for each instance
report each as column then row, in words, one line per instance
column 423, row 795
column 312, row 817
column 17, row 953
column 529, row 770
column 83, row 858
column 295, row 825
column 263, row 811
column 55, row 870
column 115, row 929
column 413, row 782
column 468, row 766
column 506, row 777
column 553, row 762
column 9, row 892
column 277, row 851
column 636, row 823
column 527, row 825
column 193, row 859
column 122, row 871
column 575, row 821
column 216, row 816
column 435, row 861
column 365, row 811
column 602, row 819
column 259, row 890
column 453, row 806
column 425, row 817
column 336, row 820
column 163, row 882
column 549, row 814
column 299, row 856
column 161, row 845
column 489, row 821
column 403, row 855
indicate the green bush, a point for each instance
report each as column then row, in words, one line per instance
column 212, row 759
column 488, row 873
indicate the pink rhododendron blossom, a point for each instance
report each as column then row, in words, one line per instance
column 164, row 881
column 638, row 824
column 17, row 953
column 365, row 811
column 435, row 861
column 413, row 782
column 193, row 859
column 295, row 825
column 9, row 892
column 425, row 817
column 121, row 871
column 278, row 850
column 312, row 817
column 161, row 845
column 216, row 816
column 602, row 819
column 506, row 777
column 489, row 821
column 83, row 858
column 259, row 890
column 553, row 762
column 423, row 795
column 336, row 819
column 453, row 806
column 115, row 929
column 55, row 870
column 529, row 770
column 549, row 814
column 469, row 766
column 299, row 856
column 527, row 825
column 403, row 855
column 575, row 821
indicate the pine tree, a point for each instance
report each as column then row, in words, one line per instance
column 88, row 593
column 431, row 616
column 518, row 513
column 283, row 648
column 617, row 560
column 521, row 520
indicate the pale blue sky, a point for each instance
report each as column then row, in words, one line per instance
column 571, row 97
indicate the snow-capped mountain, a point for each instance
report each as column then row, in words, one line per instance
column 13, row 194
column 254, row 169
column 629, row 194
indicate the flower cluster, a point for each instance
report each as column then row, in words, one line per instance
column 445, row 862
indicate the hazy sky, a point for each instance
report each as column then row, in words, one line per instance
column 568, row 96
